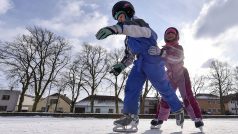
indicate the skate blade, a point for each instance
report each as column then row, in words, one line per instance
column 201, row 129
column 155, row 127
column 124, row 129
column 181, row 125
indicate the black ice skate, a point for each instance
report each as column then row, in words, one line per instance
column 156, row 123
column 128, row 123
column 199, row 124
column 179, row 116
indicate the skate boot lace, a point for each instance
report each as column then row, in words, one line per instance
column 127, row 119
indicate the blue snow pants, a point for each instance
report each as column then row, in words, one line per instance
column 156, row 74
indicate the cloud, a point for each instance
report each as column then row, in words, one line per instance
column 75, row 19
column 228, row 43
column 214, row 35
column 207, row 63
column 11, row 33
column 78, row 21
column 5, row 5
column 217, row 17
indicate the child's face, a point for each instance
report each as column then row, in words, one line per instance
column 121, row 18
column 170, row 35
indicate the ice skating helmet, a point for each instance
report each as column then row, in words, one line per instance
column 171, row 29
column 123, row 7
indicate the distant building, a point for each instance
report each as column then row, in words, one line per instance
column 63, row 104
column 8, row 100
column 26, row 104
column 209, row 103
column 150, row 105
column 102, row 104
column 231, row 104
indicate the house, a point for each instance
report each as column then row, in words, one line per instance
column 8, row 100
column 231, row 104
column 49, row 103
column 209, row 103
column 150, row 105
column 26, row 104
column 102, row 104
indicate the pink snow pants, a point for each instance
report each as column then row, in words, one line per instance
column 179, row 78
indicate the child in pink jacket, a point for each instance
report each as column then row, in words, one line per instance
column 179, row 78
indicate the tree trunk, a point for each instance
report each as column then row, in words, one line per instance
column 142, row 103
column 35, row 104
column 56, row 105
column 72, row 107
column 19, row 108
column 116, row 95
column 222, row 105
column 92, row 104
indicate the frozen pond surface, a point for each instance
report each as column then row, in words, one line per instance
column 68, row 125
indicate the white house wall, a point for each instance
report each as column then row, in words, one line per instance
column 103, row 106
column 233, row 106
column 12, row 102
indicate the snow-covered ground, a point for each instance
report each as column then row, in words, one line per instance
column 67, row 125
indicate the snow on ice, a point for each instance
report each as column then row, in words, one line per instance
column 67, row 125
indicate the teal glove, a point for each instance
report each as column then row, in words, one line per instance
column 117, row 69
column 106, row 31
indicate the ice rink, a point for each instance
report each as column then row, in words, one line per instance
column 68, row 125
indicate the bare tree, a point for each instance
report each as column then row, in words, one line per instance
column 51, row 56
column 220, row 80
column 118, row 82
column 235, row 74
column 18, row 57
column 73, row 80
column 146, row 90
column 198, row 84
column 96, row 67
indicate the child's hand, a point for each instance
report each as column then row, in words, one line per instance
column 154, row 50
column 117, row 69
column 106, row 31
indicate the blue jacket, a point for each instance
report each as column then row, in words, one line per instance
column 139, row 38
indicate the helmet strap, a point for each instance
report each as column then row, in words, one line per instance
column 119, row 13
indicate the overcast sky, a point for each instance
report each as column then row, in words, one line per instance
column 208, row 28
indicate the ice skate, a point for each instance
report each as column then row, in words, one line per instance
column 199, row 124
column 179, row 116
column 156, row 124
column 128, row 123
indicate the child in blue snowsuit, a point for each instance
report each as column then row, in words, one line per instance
column 139, row 38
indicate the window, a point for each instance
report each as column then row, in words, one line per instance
column 151, row 103
column 214, row 110
column 43, row 109
column 60, row 109
column 234, row 108
column 53, row 101
column 5, row 97
column 110, row 111
column 3, row 108
column 97, row 110
column 101, row 101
